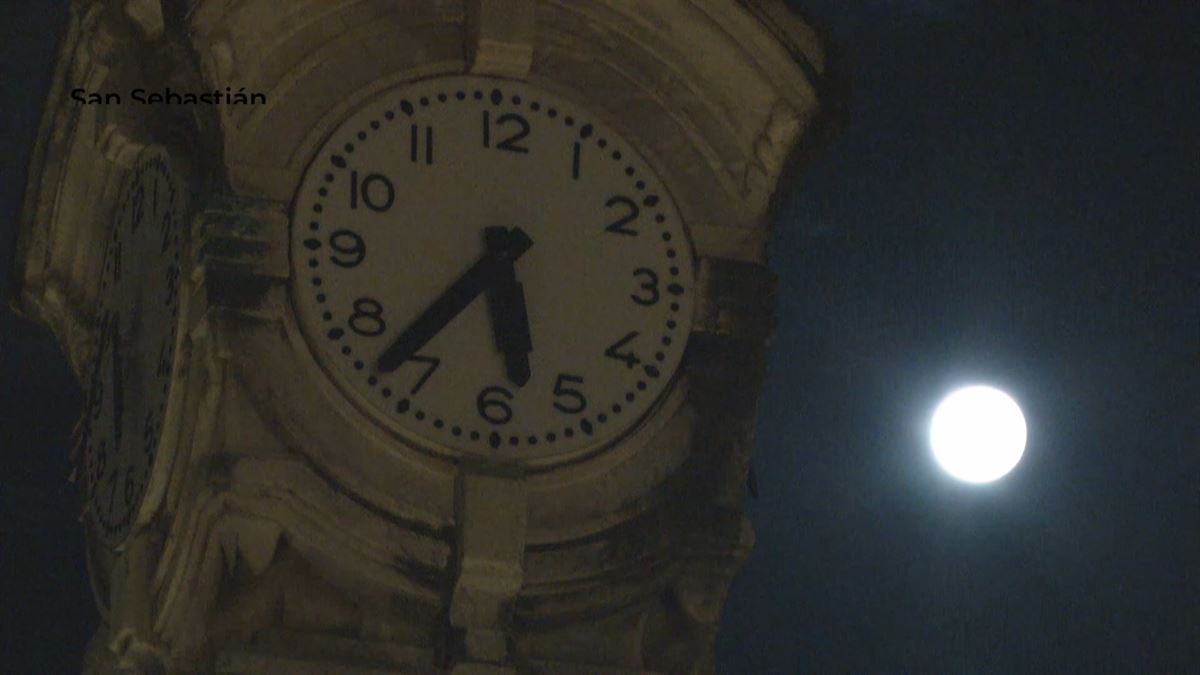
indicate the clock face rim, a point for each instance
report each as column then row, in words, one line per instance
column 326, row 157
column 148, row 160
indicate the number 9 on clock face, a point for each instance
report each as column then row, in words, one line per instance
column 491, row 270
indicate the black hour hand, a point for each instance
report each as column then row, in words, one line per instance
column 506, row 305
column 451, row 303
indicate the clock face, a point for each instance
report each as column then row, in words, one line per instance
column 491, row 269
column 127, row 391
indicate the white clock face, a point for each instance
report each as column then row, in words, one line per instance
column 137, row 317
column 491, row 269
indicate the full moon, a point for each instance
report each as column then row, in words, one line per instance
column 977, row 434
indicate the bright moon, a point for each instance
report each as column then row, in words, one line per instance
column 977, row 434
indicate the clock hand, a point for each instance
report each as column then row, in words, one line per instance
column 506, row 304
column 461, row 293
column 117, row 394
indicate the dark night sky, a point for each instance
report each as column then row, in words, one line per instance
column 1014, row 199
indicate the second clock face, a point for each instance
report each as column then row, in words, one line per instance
column 491, row 269
column 137, row 318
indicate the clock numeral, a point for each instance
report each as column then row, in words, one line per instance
column 414, row 144
column 172, row 288
column 349, row 244
column 129, row 488
column 493, row 406
column 433, row 362
column 511, row 143
column 117, row 372
column 367, row 319
column 575, row 158
column 150, row 433
column 613, row 352
column 149, row 430
column 95, row 398
column 651, row 287
column 164, row 359
column 95, row 402
column 116, row 255
column 150, row 445
column 112, row 490
column 167, row 227
column 577, row 403
column 376, row 190
column 139, row 200
column 618, row 226
column 101, row 464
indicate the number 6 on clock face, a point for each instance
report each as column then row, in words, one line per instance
column 491, row 270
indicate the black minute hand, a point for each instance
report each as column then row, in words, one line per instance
column 456, row 298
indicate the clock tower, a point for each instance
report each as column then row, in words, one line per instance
column 416, row 337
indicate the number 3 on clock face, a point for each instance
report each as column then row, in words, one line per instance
column 491, row 269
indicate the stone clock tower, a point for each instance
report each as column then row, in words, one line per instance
column 417, row 336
